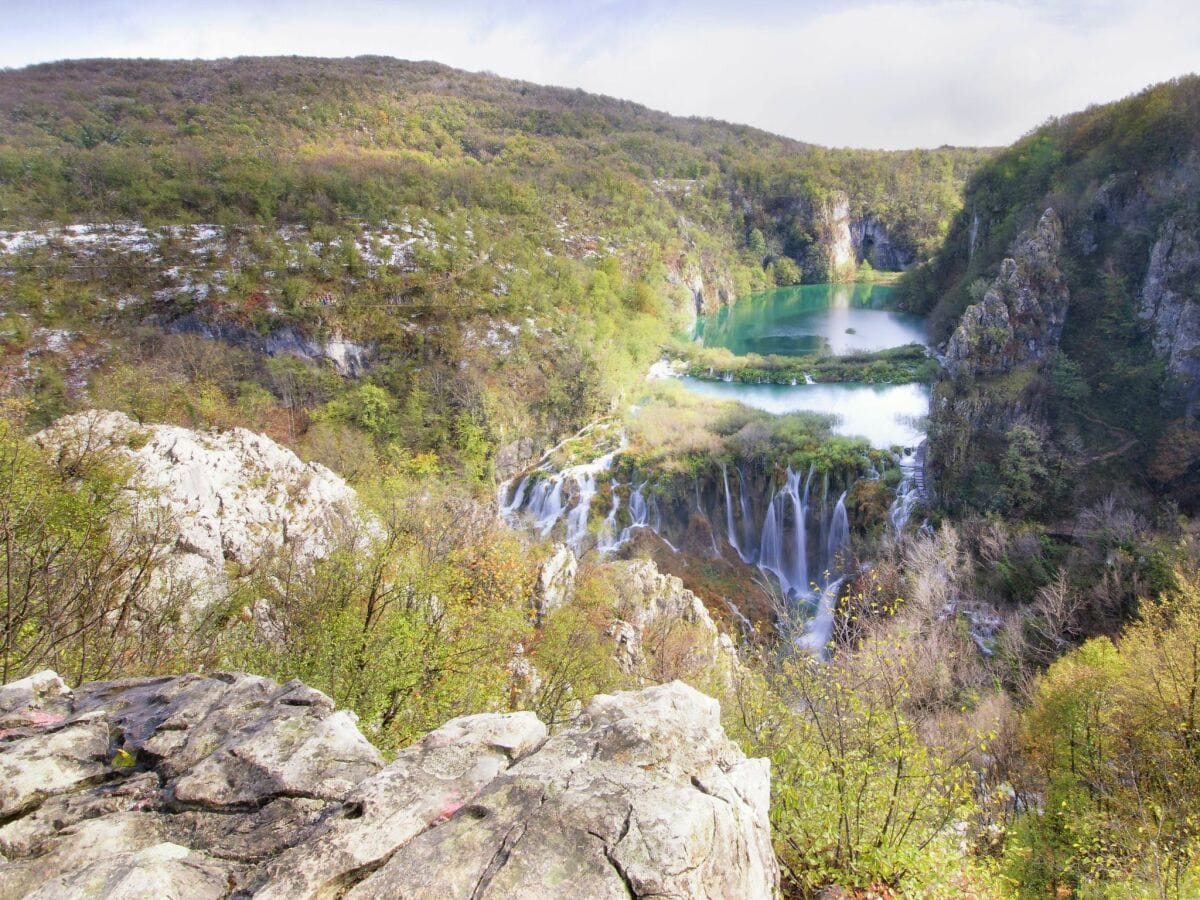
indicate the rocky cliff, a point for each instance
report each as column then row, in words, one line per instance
column 231, row 497
column 1170, row 302
column 230, row 785
column 1020, row 319
column 994, row 361
column 1084, row 332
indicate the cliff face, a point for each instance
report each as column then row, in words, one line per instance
column 231, row 785
column 993, row 362
column 1086, row 331
column 1020, row 319
column 874, row 243
column 1170, row 301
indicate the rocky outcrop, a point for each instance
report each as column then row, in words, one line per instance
column 1169, row 300
column 709, row 286
column 230, row 496
column 833, row 223
column 515, row 457
column 232, row 785
column 1020, row 318
column 993, row 361
column 350, row 358
column 556, row 581
column 656, row 613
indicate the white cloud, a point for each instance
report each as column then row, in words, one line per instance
column 893, row 73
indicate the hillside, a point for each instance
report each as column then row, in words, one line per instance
column 1108, row 389
column 508, row 257
column 385, row 382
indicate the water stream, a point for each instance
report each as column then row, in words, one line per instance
column 800, row 537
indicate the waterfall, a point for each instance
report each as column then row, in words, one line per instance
column 546, row 504
column 819, row 629
column 808, row 379
column 799, row 532
column 518, row 498
column 839, row 535
column 746, row 625
column 578, row 516
column 747, row 519
column 539, row 495
column 730, row 527
column 786, row 560
column 637, row 507
column 909, row 490
column 607, row 541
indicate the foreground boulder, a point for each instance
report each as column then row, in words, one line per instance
column 232, row 785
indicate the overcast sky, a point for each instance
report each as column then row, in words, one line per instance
column 894, row 73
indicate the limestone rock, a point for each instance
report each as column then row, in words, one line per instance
column 164, row 870
column 427, row 783
column 211, row 786
column 1169, row 300
column 556, row 581
column 652, row 609
column 834, row 229
column 350, row 359
column 229, row 496
column 23, row 702
column 642, row 796
column 1021, row 316
column 513, row 458
column 874, row 244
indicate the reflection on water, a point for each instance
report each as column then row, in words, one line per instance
column 884, row 414
column 803, row 319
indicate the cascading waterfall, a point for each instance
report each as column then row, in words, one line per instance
column 786, row 559
column 730, row 528
column 539, row 497
column 545, row 504
column 751, row 557
column 798, row 535
column 909, row 490
column 578, row 516
column 607, row 540
column 839, row 533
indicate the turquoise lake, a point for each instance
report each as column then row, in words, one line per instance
column 806, row 318
column 839, row 318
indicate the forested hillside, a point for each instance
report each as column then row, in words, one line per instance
column 509, row 257
column 1105, row 386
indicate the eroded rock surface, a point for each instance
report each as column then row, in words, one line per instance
column 231, row 785
column 1169, row 300
column 230, row 496
column 655, row 610
column 1021, row 316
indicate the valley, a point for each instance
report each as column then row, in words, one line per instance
column 513, row 426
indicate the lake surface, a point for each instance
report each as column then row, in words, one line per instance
column 884, row 414
column 839, row 318
column 807, row 318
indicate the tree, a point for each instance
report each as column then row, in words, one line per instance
column 78, row 560
column 860, row 799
